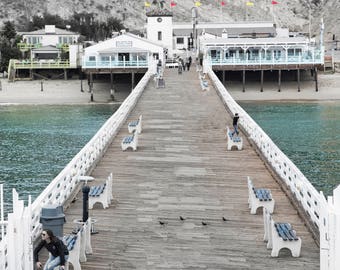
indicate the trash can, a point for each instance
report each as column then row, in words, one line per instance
column 53, row 218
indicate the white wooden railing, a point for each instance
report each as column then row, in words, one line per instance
column 64, row 184
column 324, row 215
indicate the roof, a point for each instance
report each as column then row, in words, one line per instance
column 58, row 31
column 255, row 41
column 233, row 29
column 46, row 48
column 122, row 50
column 144, row 39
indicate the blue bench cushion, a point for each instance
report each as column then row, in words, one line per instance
column 263, row 194
column 128, row 139
column 237, row 139
column 70, row 241
column 286, row 232
column 96, row 190
column 134, row 123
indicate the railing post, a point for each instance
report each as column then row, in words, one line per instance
column 334, row 230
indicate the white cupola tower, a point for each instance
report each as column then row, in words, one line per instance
column 159, row 28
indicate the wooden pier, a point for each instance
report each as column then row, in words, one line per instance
column 182, row 168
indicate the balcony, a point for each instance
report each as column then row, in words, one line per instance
column 310, row 57
column 63, row 46
column 116, row 64
column 41, row 64
column 24, row 47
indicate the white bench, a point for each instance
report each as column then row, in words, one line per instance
column 171, row 63
column 233, row 141
column 204, row 85
column 135, row 125
column 280, row 235
column 203, row 82
column 259, row 197
column 130, row 141
column 78, row 245
column 101, row 193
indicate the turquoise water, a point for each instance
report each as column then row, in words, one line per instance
column 309, row 134
column 36, row 142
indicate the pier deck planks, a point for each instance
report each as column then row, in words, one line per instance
column 182, row 168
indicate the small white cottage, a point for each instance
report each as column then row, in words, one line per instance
column 126, row 51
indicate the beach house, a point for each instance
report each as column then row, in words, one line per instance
column 46, row 51
column 123, row 53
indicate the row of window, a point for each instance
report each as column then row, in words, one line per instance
column 61, row 39
column 119, row 57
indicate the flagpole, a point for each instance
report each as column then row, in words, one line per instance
column 221, row 12
column 272, row 7
column 245, row 10
column 309, row 24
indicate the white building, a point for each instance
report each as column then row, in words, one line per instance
column 50, row 43
column 125, row 51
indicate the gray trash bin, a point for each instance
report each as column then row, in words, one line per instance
column 53, row 218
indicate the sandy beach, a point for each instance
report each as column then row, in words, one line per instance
column 59, row 92
column 68, row 92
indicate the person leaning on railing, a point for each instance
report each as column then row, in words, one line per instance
column 58, row 251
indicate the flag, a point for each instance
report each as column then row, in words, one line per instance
column 274, row 2
column 250, row 4
column 147, row 4
column 223, row 3
column 173, row 4
column 198, row 3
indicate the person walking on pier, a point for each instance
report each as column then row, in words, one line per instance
column 58, row 251
column 235, row 124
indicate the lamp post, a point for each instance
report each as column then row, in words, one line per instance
column 194, row 22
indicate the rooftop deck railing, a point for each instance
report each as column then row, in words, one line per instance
column 64, row 46
column 116, row 64
column 24, row 47
column 313, row 57
column 43, row 64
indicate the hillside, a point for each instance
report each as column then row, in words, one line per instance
column 287, row 13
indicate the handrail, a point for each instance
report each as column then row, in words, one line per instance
column 116, row 64
column 66, row 182
column 305, row 193
column 50, row 64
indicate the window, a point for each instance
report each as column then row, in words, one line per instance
column 92, row 58
column 105, row 58
column 33, row 40
column 180, row 40
column 159, row 35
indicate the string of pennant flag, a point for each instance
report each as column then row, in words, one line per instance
column 198, row 3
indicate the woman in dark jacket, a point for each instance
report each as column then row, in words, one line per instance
column 58, row 251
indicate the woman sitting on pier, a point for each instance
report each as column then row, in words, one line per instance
column 58, row 251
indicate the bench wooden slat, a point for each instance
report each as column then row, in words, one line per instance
column 263, row 194
column 285, row 231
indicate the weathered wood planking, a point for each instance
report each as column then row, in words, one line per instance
column 182, row 168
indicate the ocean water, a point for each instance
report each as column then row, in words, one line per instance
column 36, row 142
column 308, row 133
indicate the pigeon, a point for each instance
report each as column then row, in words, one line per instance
column 224, row 219
column 181, row 218
column 204, row 223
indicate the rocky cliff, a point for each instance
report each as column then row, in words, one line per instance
column 295, row 14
